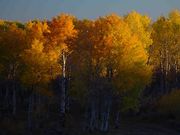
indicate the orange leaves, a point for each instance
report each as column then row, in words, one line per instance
column 36, row 30
column 92, row 47
column 110, row 43
column 46, row 40
column 37, row 46
column 62, row 29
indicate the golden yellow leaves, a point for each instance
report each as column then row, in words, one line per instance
column 174, row 16
column 1, row 22
column 37, row 46
column 140, row 26
column 46, row 41
column 39, row 64
column 110, row 43
column 165, row 35
column 93, row 47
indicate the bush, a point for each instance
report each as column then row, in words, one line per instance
column 170, row 104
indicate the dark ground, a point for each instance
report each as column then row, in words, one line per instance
column 128, row 126
column 139, row 126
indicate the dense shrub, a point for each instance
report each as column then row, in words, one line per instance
column 170, row 103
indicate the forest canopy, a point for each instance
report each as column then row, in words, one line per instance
column 108, row 65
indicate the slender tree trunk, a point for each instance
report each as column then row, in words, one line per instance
column 105, row 116
column 102, row 121
column 67, row 104
column 6, row 100
column 117, row 119
column 106, row 126
column 30, row 110
column 85, row 120
column 63, row 93
column 14, row 98
column 48, row 110
column 93, row 116
column 38, row 106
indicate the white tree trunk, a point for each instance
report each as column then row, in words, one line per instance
column 14, row 99
column 30, row 110
column 105, row 116
column 7, row 97
column 92, row 117
column 117, row 120
column 63, row 92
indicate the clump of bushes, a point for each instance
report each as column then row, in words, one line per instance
column 170, row 104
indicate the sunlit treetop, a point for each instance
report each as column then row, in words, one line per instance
column 62, row 29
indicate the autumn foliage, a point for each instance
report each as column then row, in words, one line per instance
column 112, row 59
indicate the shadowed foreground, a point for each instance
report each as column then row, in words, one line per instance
column 144, row 129
column 139, row 128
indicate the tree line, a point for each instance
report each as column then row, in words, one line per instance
column 99, row 67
